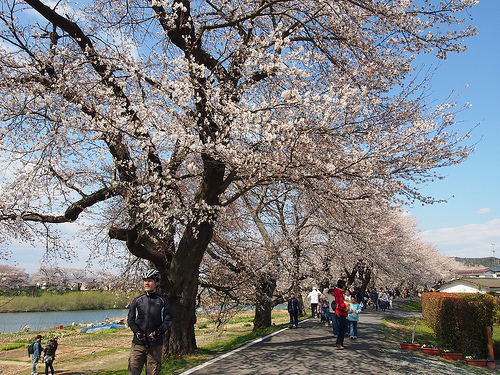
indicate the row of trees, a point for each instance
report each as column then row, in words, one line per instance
column 284, row 239
column 155, row 123
column 60, row 279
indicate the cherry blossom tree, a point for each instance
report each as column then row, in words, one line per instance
column 318, row 236
column 151, row 117
column 243, row 260
column 371, row 242
column 13, row 278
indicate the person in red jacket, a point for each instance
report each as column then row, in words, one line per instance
column 340, row 312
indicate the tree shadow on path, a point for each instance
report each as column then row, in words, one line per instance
column 310, row 349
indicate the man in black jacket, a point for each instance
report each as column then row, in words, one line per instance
column 294, row 309
column 149, row 317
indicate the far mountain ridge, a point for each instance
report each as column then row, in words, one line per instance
column 479, row 262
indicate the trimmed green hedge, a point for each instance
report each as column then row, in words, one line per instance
column 460, row 320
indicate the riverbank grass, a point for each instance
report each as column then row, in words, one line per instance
column 107, row 352
column 67, row 301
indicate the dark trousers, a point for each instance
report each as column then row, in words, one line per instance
column 342, row 322
column 314, row 309
column 48, row 365
column 294, row 318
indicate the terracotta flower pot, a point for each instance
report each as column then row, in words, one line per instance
column 431, row 351
column 409, row 346
column 454, row 356
column 491, row 365
column 477, row 362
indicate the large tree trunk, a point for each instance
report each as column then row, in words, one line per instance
column 263, row 305
column 180, row 284
column 351, row 276
column 366, row 278
column 181, row 274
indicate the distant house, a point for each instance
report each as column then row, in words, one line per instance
column 495, row 270
column 488, row 285
column 483, row 272
column 474, row 273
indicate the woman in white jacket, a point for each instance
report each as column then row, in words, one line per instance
column 314, row 296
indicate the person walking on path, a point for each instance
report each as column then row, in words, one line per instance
column 328, row 292
column 149, row 317
column 288, row 352
column 325, row 309
column 384, row 300
column 314, row 296
column 374, row 298
column 353, row 317
column 50, row 355
column 340, row 313
column 294, row 309
column 37, row 352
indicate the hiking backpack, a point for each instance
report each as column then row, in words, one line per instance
column 31, row 349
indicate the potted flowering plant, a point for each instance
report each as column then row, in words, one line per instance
column 473, row 360
column 409, row 345
column 431, row 349
column 490, row 363
column 451, row 354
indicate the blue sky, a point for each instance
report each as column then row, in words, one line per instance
column 469, row 223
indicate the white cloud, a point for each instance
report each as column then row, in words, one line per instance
column 469, row 241
column 485, row 210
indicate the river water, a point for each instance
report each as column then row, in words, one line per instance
column 13, row 322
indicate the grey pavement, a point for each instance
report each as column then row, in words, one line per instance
column 310, row 349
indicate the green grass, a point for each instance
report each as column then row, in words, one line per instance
column 68, row 301
column 413, row 305
column 401, row 330
column 123, row 371
column 12, row 346
column 241, row 319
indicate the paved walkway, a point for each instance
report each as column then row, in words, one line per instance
column 310, row 349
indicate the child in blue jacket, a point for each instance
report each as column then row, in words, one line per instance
column 353, row 317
